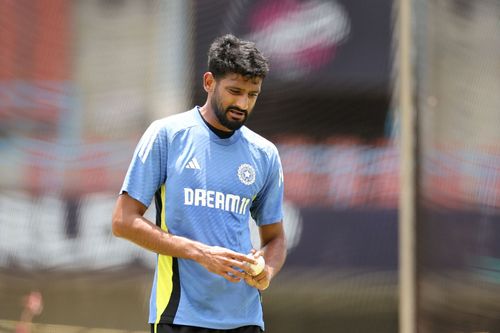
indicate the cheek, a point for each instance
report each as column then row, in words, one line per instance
column 226, row 102
column 219, row 101
column 223, row 104
column 251, row 105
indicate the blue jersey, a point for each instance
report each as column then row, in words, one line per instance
column 205, row 188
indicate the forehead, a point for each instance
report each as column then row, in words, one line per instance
column 241, row 81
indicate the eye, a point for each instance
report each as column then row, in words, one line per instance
column 234, row 91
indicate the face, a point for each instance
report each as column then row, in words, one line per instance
column 233, row 98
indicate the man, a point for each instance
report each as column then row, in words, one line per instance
column 208, row 173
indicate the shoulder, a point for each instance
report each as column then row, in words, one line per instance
column 170, row 126
column 258, row 142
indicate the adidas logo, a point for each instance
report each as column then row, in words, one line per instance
column 193, row 164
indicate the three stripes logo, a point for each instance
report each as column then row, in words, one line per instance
column 193, row 164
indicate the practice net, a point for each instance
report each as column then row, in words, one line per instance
column 81, row 80
column 458, row 221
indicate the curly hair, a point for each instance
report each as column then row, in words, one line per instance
column 228, row 54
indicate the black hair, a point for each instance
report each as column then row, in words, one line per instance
column 228, row 54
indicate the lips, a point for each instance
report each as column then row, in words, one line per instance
column 236, row 114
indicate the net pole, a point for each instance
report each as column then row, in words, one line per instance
column 407, row 220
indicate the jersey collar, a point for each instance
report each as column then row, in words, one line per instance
column 213, row 137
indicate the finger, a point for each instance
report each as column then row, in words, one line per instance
column 244, row 258
column 249, row 278
column 250, row 282
column 230, row 277
column 259, row 253
column 261, row 277
column 263, row 286
column 260, row 286
column 248, row 271
column 237, row 273
column 243, row 265
column 244, row 270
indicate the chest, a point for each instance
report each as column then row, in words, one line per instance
column 204, row 165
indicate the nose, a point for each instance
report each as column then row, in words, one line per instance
column 242, row 102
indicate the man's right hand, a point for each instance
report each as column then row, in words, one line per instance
column 229, row 264
column 129, row 223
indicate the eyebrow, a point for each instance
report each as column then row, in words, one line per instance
column 238, row 88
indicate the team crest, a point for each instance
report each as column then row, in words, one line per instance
column 246, row 174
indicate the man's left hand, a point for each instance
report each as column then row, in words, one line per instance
column 260, row 281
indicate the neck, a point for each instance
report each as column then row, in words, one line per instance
column 220, row 133
column 209, row 116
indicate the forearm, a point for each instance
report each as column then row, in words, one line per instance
column 146, row 234
column 275, row 254
column 129, row 223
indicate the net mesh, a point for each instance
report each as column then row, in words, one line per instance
column 81, row 80
column 458, row 80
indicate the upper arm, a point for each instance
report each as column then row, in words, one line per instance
column 267, row 208
column 129, row 205
column 148, row 169
column 125, row 212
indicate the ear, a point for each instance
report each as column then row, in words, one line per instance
column 208, row 82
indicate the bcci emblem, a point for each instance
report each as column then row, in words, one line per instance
column 246, row 174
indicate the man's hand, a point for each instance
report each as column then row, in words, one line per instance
column 229, row 264
column 262, row 280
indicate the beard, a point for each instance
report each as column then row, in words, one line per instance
column 223, row 117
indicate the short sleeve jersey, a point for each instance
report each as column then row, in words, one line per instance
column 205, row 188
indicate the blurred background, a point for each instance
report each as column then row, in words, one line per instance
column 81, row 80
